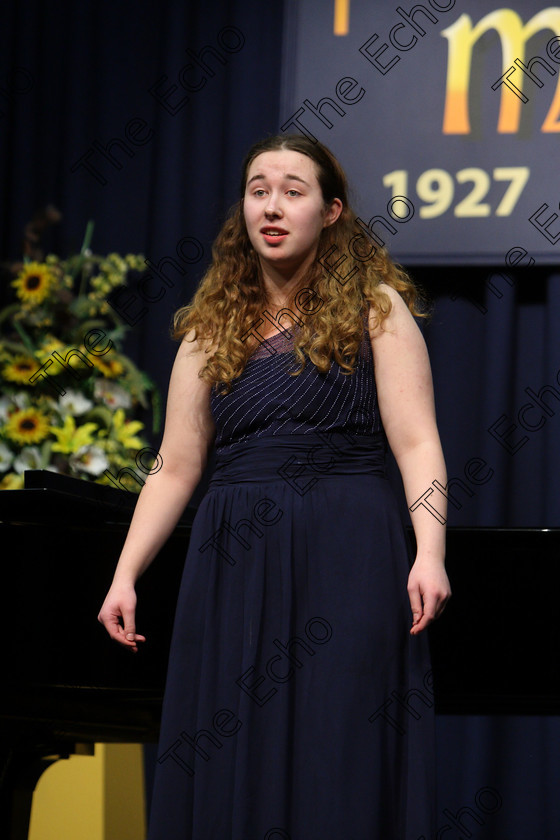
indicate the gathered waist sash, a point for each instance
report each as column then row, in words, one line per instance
column 299, row 459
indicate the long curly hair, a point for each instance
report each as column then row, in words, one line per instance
column 231, row 297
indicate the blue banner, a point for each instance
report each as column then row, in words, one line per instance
column 445, row 116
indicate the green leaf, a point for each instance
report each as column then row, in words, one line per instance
column 80, row 307
column 46, row 449
column 13, row 346
column 102, row 413
column 88, row 237
column 85, row 326
column 29, row 346
column 156, row 408
column 8, row 311
column 118, row 334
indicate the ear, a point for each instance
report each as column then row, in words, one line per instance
column 333, row 212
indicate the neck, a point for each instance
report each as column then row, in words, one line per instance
column 281, row 284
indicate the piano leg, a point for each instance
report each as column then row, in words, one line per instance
column 20, row 771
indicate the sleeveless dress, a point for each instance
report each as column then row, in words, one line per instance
column 297, row 705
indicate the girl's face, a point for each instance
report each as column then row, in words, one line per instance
column 284, row 209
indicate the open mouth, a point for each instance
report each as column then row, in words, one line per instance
column 273, row 235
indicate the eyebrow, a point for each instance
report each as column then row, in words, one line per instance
column 286, row 178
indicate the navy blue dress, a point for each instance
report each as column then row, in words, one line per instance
column 297, row 706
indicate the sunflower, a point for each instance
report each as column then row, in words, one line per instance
column 110, row 368
column 34, row 283
column 20, row 369
column 27, row 426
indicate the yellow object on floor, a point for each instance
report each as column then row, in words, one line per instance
column 92, row 797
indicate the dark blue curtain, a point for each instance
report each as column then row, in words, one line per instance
column 494, row 342
column 137, row 115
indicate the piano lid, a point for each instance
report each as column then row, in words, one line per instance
column 49, row 496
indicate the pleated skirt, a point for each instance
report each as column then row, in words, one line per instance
column 297, row 705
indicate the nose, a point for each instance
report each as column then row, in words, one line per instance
column 272, row 208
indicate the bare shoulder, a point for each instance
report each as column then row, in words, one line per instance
column 185, row 381
column 399, row 318
column 398, row 344
column 192, row 355
column 193, row 346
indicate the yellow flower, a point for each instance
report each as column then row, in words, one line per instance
column 71, row 438
column 34, row 283
column 109, row 367
column 27, row 426
column 65, row 357
column 45, row 354
column 20, row 369
column 49, row 345
column 135, row 261
column 125, row 431
column 12, row 481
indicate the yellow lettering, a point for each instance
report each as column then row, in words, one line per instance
column 552, row 119
column 341, row 17
column 462, row 36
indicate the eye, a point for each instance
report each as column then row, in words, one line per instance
column 259, row 192
column 293, row 192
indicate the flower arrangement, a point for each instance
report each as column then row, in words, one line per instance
column 69, row 394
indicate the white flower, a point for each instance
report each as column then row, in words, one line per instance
column 113, row 395
column 6, row 455
column 74, row 403
column 14, row 402
column 21, row 399
column 28, row 459
column 5, row 404
column 90, row 459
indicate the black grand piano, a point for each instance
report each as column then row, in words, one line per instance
column 496, row 650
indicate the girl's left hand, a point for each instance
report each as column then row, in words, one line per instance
column 429, row 591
